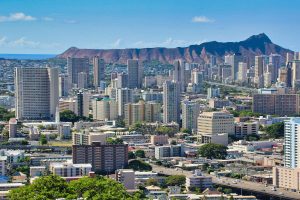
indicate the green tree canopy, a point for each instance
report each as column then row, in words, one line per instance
column 54, row 187
column 114, row 141
column 151, row 181
column 68, row 116
column 175, row 180
column 212, row 151
column 43, row 140
column 275, row 130
column 139, row 165
column 5, row 115
column 140, row 153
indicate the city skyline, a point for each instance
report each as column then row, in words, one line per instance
column 53, row 26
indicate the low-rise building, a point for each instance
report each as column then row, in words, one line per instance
column 159, row 139
column 169, row 151
column 126, row 177
column 69, row 169
column 197, row 180
column 285, row 177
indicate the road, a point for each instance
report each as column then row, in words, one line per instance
column 240, row 88
column 235, row 183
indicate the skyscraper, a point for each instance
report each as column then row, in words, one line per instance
column 83, row 100
column 99, row 71
column 296, row 73
column 190, row 112
column 275, row 61
column 135, row 74
column 242, row 74
column 178, row 73
column 292, row 143
column 75, row 66
column 234, row 60
column 124, row 96
column 171, row 100
column 64, row 85
column 36, row 93
column 82, row 80
column 259, row 70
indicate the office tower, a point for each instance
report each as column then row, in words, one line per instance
column 64, row 85
column 36, row 93
column 213, row 92
column 104, row 158
column 83, row 103
column 276, row 104
column 190, row 112
column 214, row 127
column 126, row 177
column 12, row 128
column 292, row 142
column 82, row 80
column 242, row 72
column 212, row 60
column 267, row 79
column 259, row 70
column 122, row 80
column 197, row 77
column 99, row 71
column 169, row 151
column 285, row 76
column 275, row 61
column 171, row 102
column 75, row 66
column 296, row 73
column 142, row 112
column 105, row 109
column 233, row 60
column 135, row 74
column 289, row 58
column 296, row 55
column 178, row 74
column 124, row 96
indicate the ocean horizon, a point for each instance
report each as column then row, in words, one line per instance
column 27, row 56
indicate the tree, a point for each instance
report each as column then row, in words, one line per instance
column 54, row 187
column 275, row 130
column 120, row 122
column 68, row 116
column 175, row 180
column 140, row 153
column 212, row 151
column 114, row 141
column 227, row 190
column 5, row 115
column 173, row 142
column 43, row 140
column 162, row 130
column 139, row 165
column 131, row 155
column 151, row 181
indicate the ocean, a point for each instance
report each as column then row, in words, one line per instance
column 27, row 56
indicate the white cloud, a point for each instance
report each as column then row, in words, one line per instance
column 169, row 42
column 117, row 43
column 3, row 41
column 202, row 19
column 16, row 17
column 47, row 18
column 23, row 42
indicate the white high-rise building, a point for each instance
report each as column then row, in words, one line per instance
column 99, row 71
column 292, row 143
column 190, row 112
column 64, row 85
column 171, row 101
column 105, row 109
column 124, row 96
column 242, row 74
column 36, row 93
column 233, row 60
column 296, row 73
column 82, row 80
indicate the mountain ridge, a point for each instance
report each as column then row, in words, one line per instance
column 254, row 45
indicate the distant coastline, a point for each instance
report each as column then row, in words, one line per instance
column 27, row 56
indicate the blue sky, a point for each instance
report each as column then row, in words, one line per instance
column 52, row 26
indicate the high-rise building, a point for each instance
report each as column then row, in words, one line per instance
column 234, row 60
column 178, row 74
column 285, row 76
column 276, row 104
column 75, row 66
column 296, row 73
column 190, row 112
column 12, row 128
column 105, row 109
column 64, row 85
column 99, row 71
column 213, row 92
column 135, row 74
column 259, row 70
column 171, row 102
column 242, row 74
column 83, row 103
column 36, row 93
column 122, row 80
column 142, row 112
column 104, row 158
column 292, row 143
column 82, row 80
column 275, row 61
column 124, row 96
